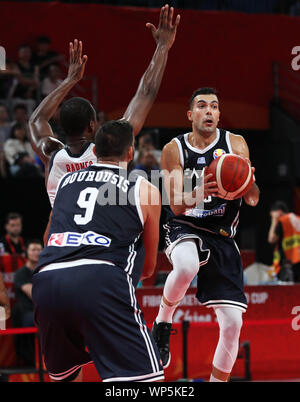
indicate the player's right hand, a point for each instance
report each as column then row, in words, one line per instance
column 77, row 61
column 210, row 187
column 166, row 32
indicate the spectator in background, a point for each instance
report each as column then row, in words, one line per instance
column 27, row 75
column 20, row 115
column 4, row 300
column 284, row 233
column 26, row 167
column 147, row 161
column 16, row 144
column 4, row 125
column 44, row 56
column 13, row 242
column 22, row 312
column 7, row 79
column 101, row 118
column 146, row 138
column 23, row 284
column 52, row 80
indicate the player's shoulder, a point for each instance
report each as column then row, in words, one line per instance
column 236, row 138
column 148, row 192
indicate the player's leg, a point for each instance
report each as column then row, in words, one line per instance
column 230, row 323
column 185, row 262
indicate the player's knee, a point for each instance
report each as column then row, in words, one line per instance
column 231, row 328
column 187, row 267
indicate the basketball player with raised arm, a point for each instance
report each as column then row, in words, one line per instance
column 200, row 229
column 78, row 117
column 103, row 239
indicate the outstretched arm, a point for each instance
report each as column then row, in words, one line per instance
column 143, row 100
column 42, row 139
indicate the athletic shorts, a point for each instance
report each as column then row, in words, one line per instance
column 220, row 279
column 86, row 311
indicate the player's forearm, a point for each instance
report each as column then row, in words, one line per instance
column 252, row 196
column 182, row 201
column 146, row 93
column 151, row 80
column 272, row 237
column 47, row 108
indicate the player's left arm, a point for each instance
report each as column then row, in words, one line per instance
column 143, row 100
column 239, row 147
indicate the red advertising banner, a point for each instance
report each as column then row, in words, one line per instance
column 271, row 326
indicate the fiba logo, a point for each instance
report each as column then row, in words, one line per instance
column 296, row 320
column 296, row 60
column 2, row 58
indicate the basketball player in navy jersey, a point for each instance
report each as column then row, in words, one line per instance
column 99, row 248
column 200, row 229
column 78, row 117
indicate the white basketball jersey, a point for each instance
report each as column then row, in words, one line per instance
column 63, row 161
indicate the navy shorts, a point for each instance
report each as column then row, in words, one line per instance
column 89, row 312
column 220, row 277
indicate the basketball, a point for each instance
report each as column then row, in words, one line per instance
column 233, row 175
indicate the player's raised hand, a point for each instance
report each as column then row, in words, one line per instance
column 77, row 61
column 165, row 33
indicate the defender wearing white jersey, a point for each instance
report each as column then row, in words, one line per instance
column 78, row 116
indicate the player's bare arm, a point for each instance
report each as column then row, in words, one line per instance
column 173, row 174
column 151, row 208
column 42, row 138
column 240, row 147
column 4, row 300
column 164, row 36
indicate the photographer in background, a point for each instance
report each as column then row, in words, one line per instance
column 284, row 233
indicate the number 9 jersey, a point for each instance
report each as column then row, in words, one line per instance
column 97, row 215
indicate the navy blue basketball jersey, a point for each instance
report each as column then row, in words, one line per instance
column 215, row 214
column 97, row 215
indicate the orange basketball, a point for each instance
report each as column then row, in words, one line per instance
column 233, row 175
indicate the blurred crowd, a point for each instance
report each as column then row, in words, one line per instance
column 25, row 82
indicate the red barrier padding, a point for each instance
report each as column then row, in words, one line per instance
column 18, row 331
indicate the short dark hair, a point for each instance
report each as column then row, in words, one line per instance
column 21, row 106
column 24, row 45
column 113, row 138
column 12, row 215
column 33, row 241
column 17, row 126
column 202, row 91
column 279, row 206
column 76, row 115
column 43, row 39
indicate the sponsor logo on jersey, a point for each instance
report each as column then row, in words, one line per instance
column 224, row 233
column 201, row 160
column 203, row 213
column 218, row 152
column 73, row 239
